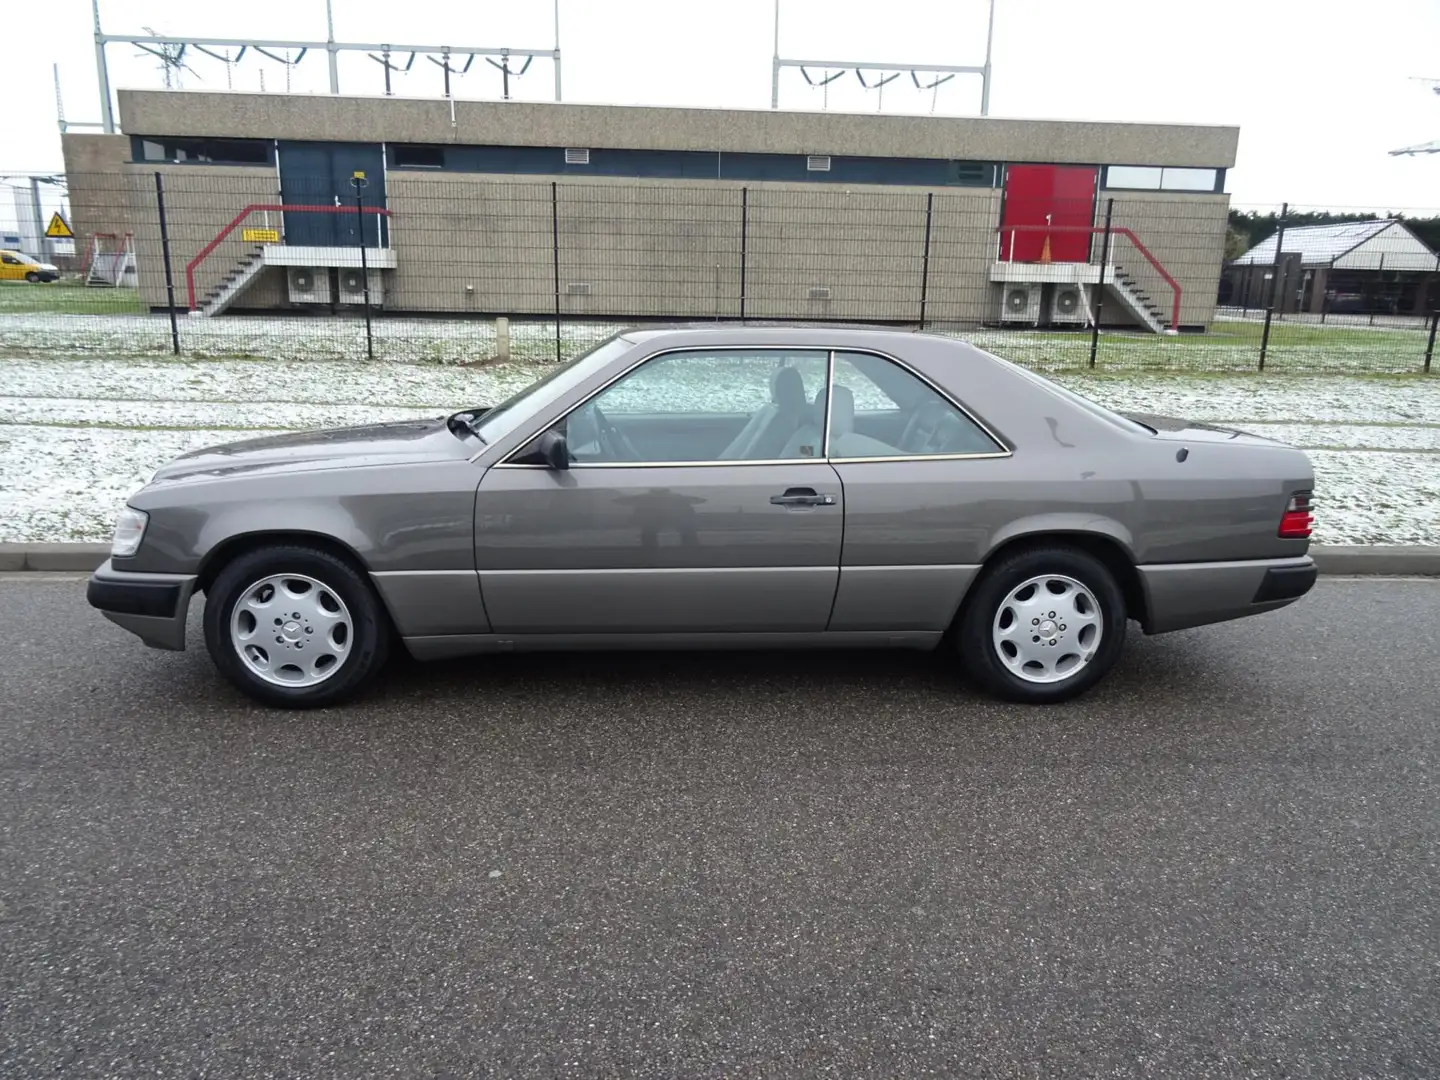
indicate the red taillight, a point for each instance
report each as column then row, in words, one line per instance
column 1297, row 521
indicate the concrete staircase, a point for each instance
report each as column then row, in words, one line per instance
column 229, row 288
column 1132, row 297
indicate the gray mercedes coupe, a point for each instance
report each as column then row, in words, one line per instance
column 713, row 488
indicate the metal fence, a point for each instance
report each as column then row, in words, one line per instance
column 414, row 265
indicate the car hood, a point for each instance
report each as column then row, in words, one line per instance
column 339, row 448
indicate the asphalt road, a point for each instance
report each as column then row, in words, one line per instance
column 1225, row 862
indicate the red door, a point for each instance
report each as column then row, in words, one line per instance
column 1054, row 203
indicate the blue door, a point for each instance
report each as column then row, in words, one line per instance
column 318, row 174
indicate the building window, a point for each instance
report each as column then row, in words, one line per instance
column 1154, row 178
column 411, row 156
column 203, row 151
column 1189, row 180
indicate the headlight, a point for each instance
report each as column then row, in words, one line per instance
column 129, row 531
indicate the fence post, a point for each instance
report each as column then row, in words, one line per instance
column 358, row 181
column 555, row 245
column 1274, row 284
column 1430, row 344
column 165, row 254
column 1100, row 288
column 744, row 243
column 925, row 259
column 1381, row 269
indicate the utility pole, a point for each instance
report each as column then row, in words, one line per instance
column 107, row 115
column 330, row 49
column 985, row 76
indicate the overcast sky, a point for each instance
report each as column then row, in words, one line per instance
column 1320, row 89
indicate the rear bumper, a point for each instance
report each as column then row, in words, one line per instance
column 151, row 606
column 1181, row 595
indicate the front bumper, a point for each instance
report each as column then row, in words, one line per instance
column 151, row 606
column 1181, row 595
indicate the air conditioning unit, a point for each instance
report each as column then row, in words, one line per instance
column 308, row 284
column 1069, row 305
column 352, row 286
column 1020, row 302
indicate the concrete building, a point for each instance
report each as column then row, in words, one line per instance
column 1377, row 266
column 625, row 212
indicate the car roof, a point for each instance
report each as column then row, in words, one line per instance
column 822, row 335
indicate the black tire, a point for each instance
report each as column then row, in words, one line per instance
column 32, row 277
column 978, row 651
column 369, row 642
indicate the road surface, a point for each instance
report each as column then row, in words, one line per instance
column 1224, row 862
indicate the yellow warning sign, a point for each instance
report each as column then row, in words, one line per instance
column 59, row 228
column 260, row 236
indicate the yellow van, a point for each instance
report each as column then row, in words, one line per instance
column 17, row 267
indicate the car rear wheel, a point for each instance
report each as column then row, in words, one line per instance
column 32, row 277
column 1042, row 625
column 295, row 627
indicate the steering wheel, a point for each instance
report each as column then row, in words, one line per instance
column 612, row 440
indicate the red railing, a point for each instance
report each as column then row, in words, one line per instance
column 252, row 208
column 1092, row 230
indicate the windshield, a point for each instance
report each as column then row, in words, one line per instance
column 504, row 418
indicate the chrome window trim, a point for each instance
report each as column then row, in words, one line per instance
column 666, row 464
column 1004, row 450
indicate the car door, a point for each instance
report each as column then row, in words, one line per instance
column 12, row 268
column 696, row 500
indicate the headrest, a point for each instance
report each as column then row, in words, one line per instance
column 842, row 411
column 787, row 389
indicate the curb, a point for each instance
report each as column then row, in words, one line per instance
column 1389, row 561
column 53, row 557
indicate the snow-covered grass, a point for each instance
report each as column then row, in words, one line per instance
column 1232, row 345
column 78, row 434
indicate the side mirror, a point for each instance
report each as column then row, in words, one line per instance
column 552, row 447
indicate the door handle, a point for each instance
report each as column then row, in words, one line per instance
column 802, row 496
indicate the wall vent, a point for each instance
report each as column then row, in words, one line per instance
column 818, row 163
column 819, row 292
column 577, row 156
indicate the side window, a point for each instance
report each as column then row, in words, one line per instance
column 712, row 405
column 882, row 410
column 9, row 260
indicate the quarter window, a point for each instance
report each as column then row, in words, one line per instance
column 880, row 410
column 703, row 406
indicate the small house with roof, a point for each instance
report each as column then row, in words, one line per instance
column 1365, row 267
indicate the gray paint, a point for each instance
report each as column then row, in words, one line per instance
column 697, row 549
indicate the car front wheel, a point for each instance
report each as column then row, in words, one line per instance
column 1042, row 625
column 294, row 627
column 32, row 277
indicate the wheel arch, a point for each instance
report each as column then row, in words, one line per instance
column 1110, row 546
column 232, row 547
